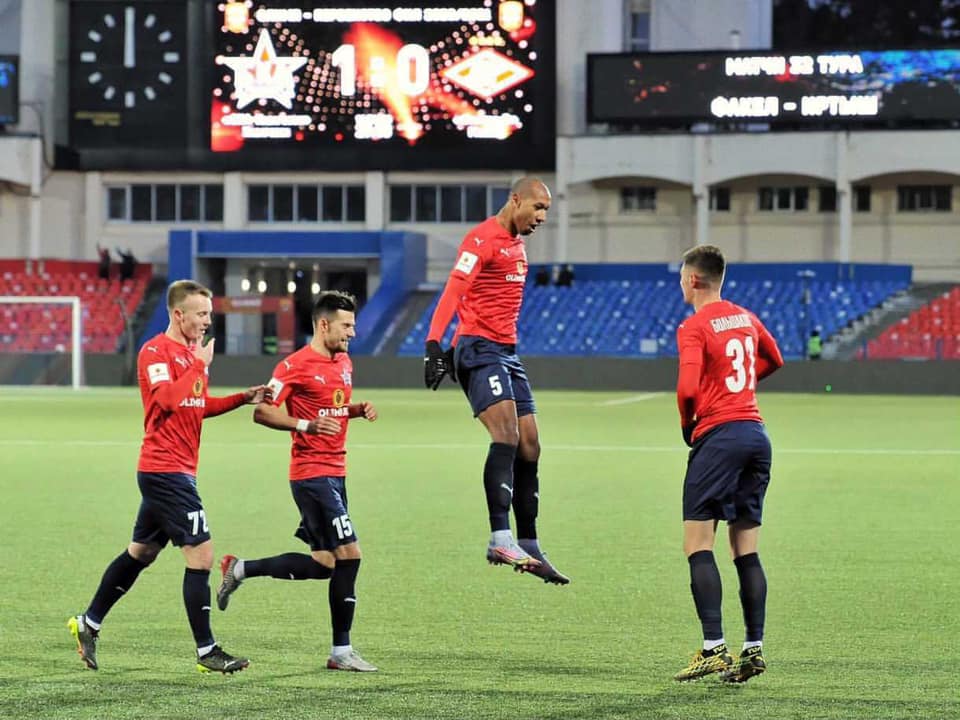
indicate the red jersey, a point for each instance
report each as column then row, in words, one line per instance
column 485, row 286
column 724, row 350
column 314, row 385
column 173, row 387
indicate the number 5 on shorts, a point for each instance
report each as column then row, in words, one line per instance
column 495, row 385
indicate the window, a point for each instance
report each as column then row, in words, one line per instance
column 445, row 203
column 636, row 25
column 425, row 203
column 720, row 199
column 924, row 198
column 861, row 198
column 305, row 203
column 165, row 203
column 780, row 199
column 638, row 198
column 828, row 198
column 401, row 208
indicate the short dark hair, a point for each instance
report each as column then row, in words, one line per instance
column 180, row 290
column 707, row 261
column 329, row 301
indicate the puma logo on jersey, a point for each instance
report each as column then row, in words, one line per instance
column 321, row 379
column 478, row 241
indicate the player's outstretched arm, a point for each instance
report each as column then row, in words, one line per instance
column 276, row 418
column 251, row 396
column 364, row 410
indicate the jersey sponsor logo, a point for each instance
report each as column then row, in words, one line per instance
column 338, row 397
column 158, row 372
column 198, row 387
column 466, row 263
column 730, row 322
column 510, row 277
column 347, row 377
column 193, row 402
column 342, row 411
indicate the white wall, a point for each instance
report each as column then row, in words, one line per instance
column 708, row 24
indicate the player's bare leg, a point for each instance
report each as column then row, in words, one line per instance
column 526, row 500
column 500, row 420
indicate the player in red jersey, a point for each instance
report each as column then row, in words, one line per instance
column 314, row 385
column 172, row 370
column 724, row 351
column 485, row 289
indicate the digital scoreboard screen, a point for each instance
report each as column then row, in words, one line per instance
column 368, row 85
column 9, row 90
column 830, row 87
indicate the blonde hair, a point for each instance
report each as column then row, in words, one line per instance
column 182, row 289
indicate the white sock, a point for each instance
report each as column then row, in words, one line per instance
column 201, row 651
column 501, row 538
column 238, row 570
column 752, row 643
column 338, row 650
column 90, row 623
column 711, row 644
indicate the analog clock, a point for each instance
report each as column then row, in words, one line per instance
column 127, row 76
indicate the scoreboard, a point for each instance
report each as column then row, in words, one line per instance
column 313, row 84
column 845, row 87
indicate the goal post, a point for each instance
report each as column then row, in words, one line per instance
column 26, row 329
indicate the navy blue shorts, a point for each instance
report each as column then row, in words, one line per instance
column 728, row 471
column 489, row 372
column 170, row 510
column 324, row 521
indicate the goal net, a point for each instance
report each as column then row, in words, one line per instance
column 41, row 340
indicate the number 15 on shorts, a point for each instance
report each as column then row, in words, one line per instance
column 343, row 526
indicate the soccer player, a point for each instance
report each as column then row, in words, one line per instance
column 724, row 351
column 315, row 384
column 485, row 289
column 173, row 373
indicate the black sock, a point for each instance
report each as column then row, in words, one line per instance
column 289, row 566
column 753, row 594
column 526, row 497
column 343, row 599
column 117, row 579
column 498, row 484
column 707, row 592
column 196, row 598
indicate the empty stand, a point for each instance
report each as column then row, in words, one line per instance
column 929, row 332
column 46, row 328
column 639, row 318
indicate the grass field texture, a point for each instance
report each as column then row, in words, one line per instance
column 858, row 545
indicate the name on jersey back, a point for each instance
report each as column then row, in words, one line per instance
column 730, row 322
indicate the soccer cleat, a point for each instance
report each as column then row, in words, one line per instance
column 349, row 661
column 219, row 661
column 545, row 570
column 86, row 638
column 229, row 584
column 706, row 662
column 511, row 554
column 748, row 665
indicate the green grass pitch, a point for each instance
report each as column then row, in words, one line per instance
column 858, row 545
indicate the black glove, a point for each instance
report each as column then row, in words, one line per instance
column 688, row 433
column 436, row 364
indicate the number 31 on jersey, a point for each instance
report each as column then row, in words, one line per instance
column 739, row 350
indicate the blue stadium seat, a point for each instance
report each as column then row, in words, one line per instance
column 626, row 318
